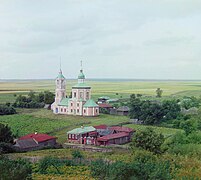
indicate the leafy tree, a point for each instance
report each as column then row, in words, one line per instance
column 171, row 109
column 6, row 134
column 7, row 110
column 15, row 169
column 189, row 126
column 48, row 97
column 135, row 107
column 149, row 140
column 159, row 92
column 99, row 169
column 77, row 154
column 47, row 162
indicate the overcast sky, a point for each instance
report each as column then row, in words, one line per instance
column 140, row 39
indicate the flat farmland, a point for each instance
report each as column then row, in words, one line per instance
column 111, row 88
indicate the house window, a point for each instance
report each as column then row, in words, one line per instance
column 61, row 109
column 84, row 110
column 76, row 136
column 77, row 104
column 77, row 110
column 96, row 110
column 69, row 136
column 71, row 110
column 74, row 94
column 71, row 104
column 73, row 136
column 65, row 110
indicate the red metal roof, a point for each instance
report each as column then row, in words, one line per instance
column 102, row 126
column 37, row 137
column 104, row 105
column 113, row 136
column 122, row 129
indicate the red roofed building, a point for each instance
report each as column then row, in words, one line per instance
column 118, row 138
column 35, row 141
column 102, row 126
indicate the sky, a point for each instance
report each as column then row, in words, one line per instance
column 135, row 39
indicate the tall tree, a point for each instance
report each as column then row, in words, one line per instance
column 159, row 92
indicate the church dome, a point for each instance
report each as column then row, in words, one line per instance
column 81, row 75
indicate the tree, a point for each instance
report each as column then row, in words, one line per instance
column 188, row 126
column 135, row 107
column 6, row 134
column 149, row 140
column 7, row 109
column 15, row 169
column 48, row 97
column 159, row 92
column 171, row 109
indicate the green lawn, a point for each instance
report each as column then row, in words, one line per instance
column 44, row 121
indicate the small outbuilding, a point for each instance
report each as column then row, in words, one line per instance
column 83, row 135
column 34, row 142
column 118, row 138
column 123, row 111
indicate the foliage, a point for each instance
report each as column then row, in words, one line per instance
column 6, row 148
column 159, row 92
column 189, row 126
column 7, row 109
column 153, row 112
column 189, row 102
column 77, row 154
column 15, row 169
column 143, row 166
column 148, row 139
column 34, row 100
column 5, row 134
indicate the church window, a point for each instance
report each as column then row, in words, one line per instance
column 71, row 104
column 65, row 110
column 71, row 110
column 74, row 94
column 81, row 94
column 87, row 96
column 61, row 109
column 77, row 104
column 77, row 110
column 84, row 110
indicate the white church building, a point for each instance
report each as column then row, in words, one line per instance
column 80, row 104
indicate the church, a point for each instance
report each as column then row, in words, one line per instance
column 80, row 104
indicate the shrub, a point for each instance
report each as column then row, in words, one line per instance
column 15, row 169
column 148, row 139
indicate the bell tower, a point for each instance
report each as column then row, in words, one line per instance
column 60, row 87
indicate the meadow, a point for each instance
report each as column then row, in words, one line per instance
column 44, row 121
column 112, row 88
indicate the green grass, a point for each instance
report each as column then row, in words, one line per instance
column 105, row 88
column 163, row 130
column 44, row 121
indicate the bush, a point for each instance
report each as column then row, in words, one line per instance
column 77, row 154
column 15, row 169
column 6, row 134
column 149, row 140
column 6, row 148
column 7, row 110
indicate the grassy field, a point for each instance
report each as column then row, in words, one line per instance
column 108, row 88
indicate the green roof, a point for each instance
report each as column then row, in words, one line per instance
column 90, row 103
column 81, row 85
column 81, row 130
column 81, row 75
column 64, row 102
column 60, row 76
